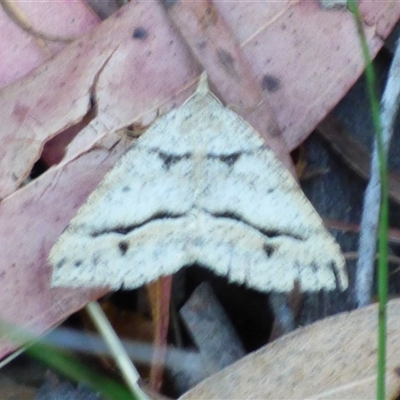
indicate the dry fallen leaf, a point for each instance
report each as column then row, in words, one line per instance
column 331, row 359
column 22, row 23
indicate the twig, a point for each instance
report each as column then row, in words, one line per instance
column 370, row 216
column 125, row 365
column 211, row 329
column 353, row 255
column 333, row 224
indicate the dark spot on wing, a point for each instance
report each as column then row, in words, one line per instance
column 61, row 263
column 170, row 159
column 140, row 33
column 77, row 263
column 228, row 159
column 95, row 259
column 270, row 83
column 124, row 230
column 314, row 267
column 268, row 249
column 231, row 159
column 271, row 233
column 199, row 242
column 123, row 247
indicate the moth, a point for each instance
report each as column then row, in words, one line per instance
column 200, row 186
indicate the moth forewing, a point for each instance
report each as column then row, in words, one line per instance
column 198, row 187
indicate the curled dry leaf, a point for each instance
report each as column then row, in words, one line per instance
column 331, row 359
column 25, row 27
column 128, row 70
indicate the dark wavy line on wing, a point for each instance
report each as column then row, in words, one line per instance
column 125, row 229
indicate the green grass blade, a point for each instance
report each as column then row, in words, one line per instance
column 384, row 207
column 66, row 364
column 70, row 367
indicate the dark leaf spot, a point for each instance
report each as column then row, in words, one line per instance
column 227, row 61
column 140, row 33
column 209, row 17
column 202, row 45
column 20, row 111
column 270, row 83
column 168, row 3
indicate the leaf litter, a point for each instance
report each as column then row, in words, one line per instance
column 110, row 164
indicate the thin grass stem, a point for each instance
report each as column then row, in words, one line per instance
column 384, row 204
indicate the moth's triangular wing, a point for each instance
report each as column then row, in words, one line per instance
column 199, row 186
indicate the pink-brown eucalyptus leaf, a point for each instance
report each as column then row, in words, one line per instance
column 30, row 222
column 21, row 51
